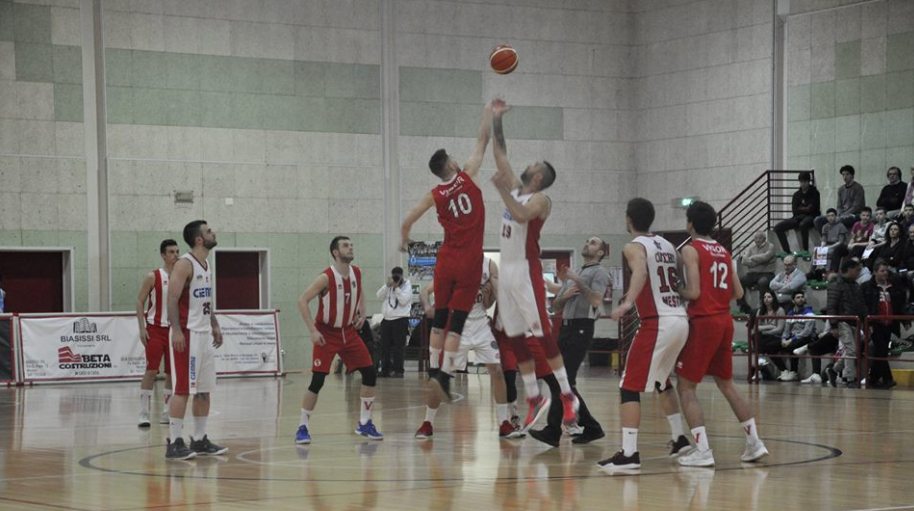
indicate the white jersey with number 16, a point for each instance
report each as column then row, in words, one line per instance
column 659, row 296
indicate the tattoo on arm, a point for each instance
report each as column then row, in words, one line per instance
column 499, row 132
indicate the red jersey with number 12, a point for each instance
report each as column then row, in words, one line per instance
column 462, row 213
column 715, row 270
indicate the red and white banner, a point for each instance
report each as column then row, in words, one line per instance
column 106, row 346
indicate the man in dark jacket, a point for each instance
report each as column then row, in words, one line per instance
column 892, row 196
column 885, row 295
column 805, row 208
column 851, row 199
column 846, row 299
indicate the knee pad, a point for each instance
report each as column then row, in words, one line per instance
column 369, row 376
column 511, row 384
column 629, row 396
column 317, row 382
column 440, row 319
column 458, row 319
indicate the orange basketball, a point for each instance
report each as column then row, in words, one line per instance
column 503, row 59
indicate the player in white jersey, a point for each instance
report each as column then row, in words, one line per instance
column 654, row 264
column 477, row 337
column 522, row 293
column 195, row 335
column 153, row 322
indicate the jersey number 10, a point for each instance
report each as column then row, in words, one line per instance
column 461, row 205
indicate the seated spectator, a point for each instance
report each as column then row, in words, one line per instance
column 759, row 260
column 909, row 192
column 892, row 251
column 824, row 344
column 797, row 333
column 879, row 227
column 805, row 208
column 834, row 234
column 770, row 331
column 885, row 295
column 851, row 199
column 859, row 237
column 892, row 196
column 908, row 261
column 788, row 282
column 907, row 217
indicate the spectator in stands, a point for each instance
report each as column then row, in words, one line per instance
column 880, row 225
column 909, row 193
column 797, row 333
column 834, row 234
column 788, row 282
column 851, row 199
column 892, row 250
column 770, row 331
column 805, row 208
column 860, row 236
column 892, row 196
column 908, row 262
column 846, row 299
column 907, row 217
column 825, row 343
column 759, row 259
column 885, row 295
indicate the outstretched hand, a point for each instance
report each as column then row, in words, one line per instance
column 499, row 107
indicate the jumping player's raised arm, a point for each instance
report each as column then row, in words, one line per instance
column 474, row 163
column 414, row 215
column 692, row 288
column 315, row 289
column 500, row 148
column 537, row 207
column 637, row 262
column 177, row 281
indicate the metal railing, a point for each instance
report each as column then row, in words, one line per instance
column 764, row 202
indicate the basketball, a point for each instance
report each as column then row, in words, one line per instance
column 503, row 59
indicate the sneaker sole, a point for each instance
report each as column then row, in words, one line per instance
column 705, row 464
column 754, row 459
column 609, row 468
column 423, row 437
column 143, row 425
column 302, row 442
column 514, row 435
column 539, row 415
column 220, row 452
column 368, row 436
column 181, row 458
column 682, row 452
column 582, row 440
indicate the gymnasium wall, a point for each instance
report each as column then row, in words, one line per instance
column 42, row 147
column 850, row 92
column 702, row 98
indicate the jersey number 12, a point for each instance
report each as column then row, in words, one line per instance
column 720, row 273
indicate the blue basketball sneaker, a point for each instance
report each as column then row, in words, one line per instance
column 368, row 430
column 302, row 436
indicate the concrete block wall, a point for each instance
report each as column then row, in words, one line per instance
column 850, row 91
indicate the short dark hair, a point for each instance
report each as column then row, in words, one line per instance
column 167, row 243
column 604, row 246
column 438, row 162
column 335, row 244
column 866, row 209
column 805, row 176
column 192, row 230
column 798, row 292
column 895, row 169
column 906, row 206
column 548, row 175
column 641, row 212
column 702, row 216
column 847, row 168
column 879, row 263
column 831, row 210
column 849, row 264
column 880, row 208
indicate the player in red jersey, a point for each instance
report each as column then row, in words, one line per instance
column 340, row 316
column 710, row 285
column 522, row 295
column 458, row 270
column 154, row 329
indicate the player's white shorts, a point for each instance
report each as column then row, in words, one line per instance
column 654, row 352
column 477, row 336
column 522, row 300
column 194, row 369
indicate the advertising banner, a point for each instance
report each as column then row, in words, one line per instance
column 250, row 343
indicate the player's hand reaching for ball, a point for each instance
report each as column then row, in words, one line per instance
column 499, row 107
column 317, row 338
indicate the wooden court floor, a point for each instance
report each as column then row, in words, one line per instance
column 77, row 447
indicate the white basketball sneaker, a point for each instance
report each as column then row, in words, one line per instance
column 754, row 452
column 697, row 458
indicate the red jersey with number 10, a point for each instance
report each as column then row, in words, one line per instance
column 462, row 213
column 715, row 270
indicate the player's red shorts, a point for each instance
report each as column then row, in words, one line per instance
column 509, row 360
column 709, row 350
column 157, row 348
column 344, row 342
column 457, row 281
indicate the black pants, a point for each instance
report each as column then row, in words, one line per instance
column 393, row 345
column 840, row 252
column 771, row 345
column 879, row 369
column 824, row 345
column 575, row 337
column 798, row 343
column 803, row 222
